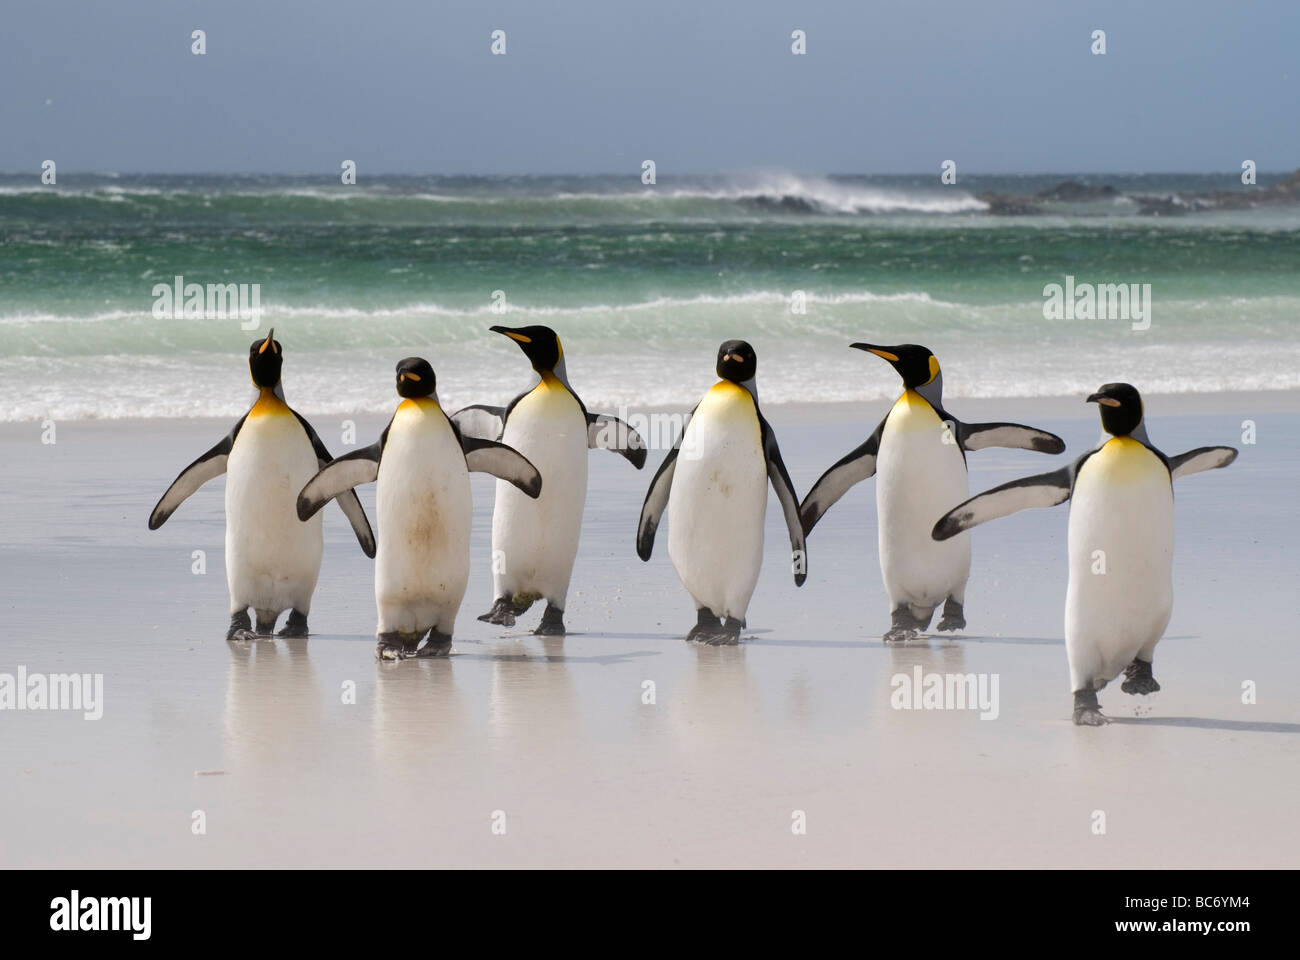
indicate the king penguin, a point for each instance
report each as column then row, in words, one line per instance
column 918, row 453
column 534, row 542
column 421, row 464
column 272, row 560
column 715, row 492
column 1120, row 545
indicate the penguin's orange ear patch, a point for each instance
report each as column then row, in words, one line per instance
column 934, row 367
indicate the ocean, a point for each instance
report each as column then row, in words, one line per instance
column 641, row 281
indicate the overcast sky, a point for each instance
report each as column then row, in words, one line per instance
column 597, row 86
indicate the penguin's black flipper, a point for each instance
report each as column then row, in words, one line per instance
column 338, row 478
column 610, row 433
column 977, row 436
column 854, row 467
column 209, row 465
column 1043, row 490
column 503, row 462
column 789, row 501
column 348, row 500
column 1202, row 458
column 656, row 498
column 479, row 420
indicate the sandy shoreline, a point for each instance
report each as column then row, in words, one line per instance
column 555, row 733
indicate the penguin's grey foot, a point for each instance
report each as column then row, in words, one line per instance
column 552, row 624
column 904, row 626
column 707, row 623
column 954, row 616
column 714, row 631
column 396, row 646
column 438, row 645
column 295, row 626
column 1087, row 711
column 731, row 628
column 1138, row 678
column 241, row 628
column 502, row 613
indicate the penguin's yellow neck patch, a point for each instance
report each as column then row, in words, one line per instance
column 418, row 405
column 912, row 411
column 269, row 405
column 1125, row 460
column 728, row 389
column 726, row 400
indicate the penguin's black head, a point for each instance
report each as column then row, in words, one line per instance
column 1121, row 408
column 265, row 360
column 914, row 363
column 540, row 344
column 736, row 361
column 415, row 378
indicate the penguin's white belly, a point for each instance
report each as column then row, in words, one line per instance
column 534, row 542
column 1121, row 547
column 272, row 557
column 920, row 476
column 718, row 502
column 424, row 511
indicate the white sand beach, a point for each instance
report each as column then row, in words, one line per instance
column 554, row 733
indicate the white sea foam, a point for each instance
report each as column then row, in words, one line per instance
column 122, row 363
column 814, row 194
column 794, row 192
column 658, row 372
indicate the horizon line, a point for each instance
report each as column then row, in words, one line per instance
column 631, row 174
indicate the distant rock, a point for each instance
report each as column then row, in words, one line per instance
column 1170, row 206
column 1286, row 193
column 1072, row 191
column 1010, row 204
column 785, row 203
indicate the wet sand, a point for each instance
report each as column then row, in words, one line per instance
column 555, row 734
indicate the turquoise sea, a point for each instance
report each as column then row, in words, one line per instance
column 641, row 282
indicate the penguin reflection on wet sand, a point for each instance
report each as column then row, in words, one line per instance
column 421, row 464
column 272, row 560
column 918, row 455
column 716, row 496
column 1120, row 545
column 534, row 542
